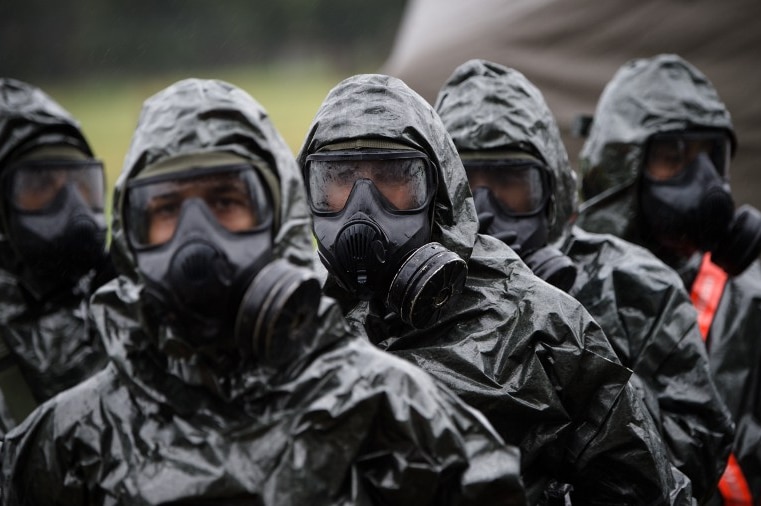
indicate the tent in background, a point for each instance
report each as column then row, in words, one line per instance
column 570, row 49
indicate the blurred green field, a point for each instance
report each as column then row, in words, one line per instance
column 108, row 107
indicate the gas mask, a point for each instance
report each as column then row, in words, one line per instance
column 203, row 242
column 511, row 196
column 372, row 220
column 686, row 201
column 55, row 220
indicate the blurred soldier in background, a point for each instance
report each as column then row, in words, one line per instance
column 52, row 251
column 656, row 172
column 232, row 380
column 525, row 194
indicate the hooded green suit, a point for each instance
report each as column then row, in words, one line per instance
column 662, row 94
column 525, row 354
column 638, row 300
column 340, row 423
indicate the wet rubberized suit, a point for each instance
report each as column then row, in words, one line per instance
column 341, row 423
column 45, row 336
column 525, row 354
column 638, row 300
column 645, row 97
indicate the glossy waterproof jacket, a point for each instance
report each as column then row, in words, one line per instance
column 47, row 343
column 670, row 95
column 638, row 300
column 341, row 424
column 525, row 354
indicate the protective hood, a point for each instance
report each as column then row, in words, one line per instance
column 194, row 117
column 645, row 97
column 510, row 114
column 391, row 111
column 29, row 119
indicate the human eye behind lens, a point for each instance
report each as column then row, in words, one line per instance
column 36, row 190
column 477, row 178
column 665, row 160
column 228, row 199
column 233, row 209
column 164, row 208
column 47, row 180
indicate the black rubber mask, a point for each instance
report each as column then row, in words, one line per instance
column 203, row 242
column 692, row 209
column 519, row 218
column 372, row 221
column 56, row 222
column 527, row 236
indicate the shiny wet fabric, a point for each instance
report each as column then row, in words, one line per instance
column 671, row 94
column 638, row 301
column 525, row 354
column 340, row 423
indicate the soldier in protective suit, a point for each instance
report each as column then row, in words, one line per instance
column 525, row 193
column 655, row 172
column 52, row 251
column 397, row 232
column 231, row 379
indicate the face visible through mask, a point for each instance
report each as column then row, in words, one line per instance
column 372, row 220
column 402, row 183
column 669, row 154
column 371, row 211
column 511, row 194
column 511, row 191
column 226, row 196
column 55, row 219
column 200, row 235
column 685, row 201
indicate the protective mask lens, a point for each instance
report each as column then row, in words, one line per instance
column 234, row 195
column 402, row 178
column 36, row 185
column 519, row 187
column 668, row 154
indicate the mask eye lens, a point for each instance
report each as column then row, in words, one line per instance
column 235, row 198
column 36, row 185
column 665, row 159
column 518, row 187
column 401, row 179
column 669, row 154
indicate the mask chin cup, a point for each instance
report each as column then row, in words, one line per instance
column 425, row 283
column 553, row 266
column 742, row 244
column 277, row 317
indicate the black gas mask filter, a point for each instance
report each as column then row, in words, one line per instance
column 686, row 202
column 55, row 220
column 372, row 220
column 511, row 197
column 203, row 243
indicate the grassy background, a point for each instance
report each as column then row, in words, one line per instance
column 108, row 108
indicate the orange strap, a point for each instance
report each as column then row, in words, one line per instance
column 733, row 487
column 705, row 295
column 706, row 292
